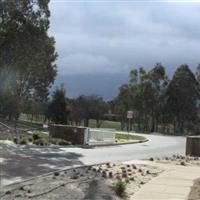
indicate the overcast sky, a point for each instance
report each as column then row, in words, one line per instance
column 110, row 38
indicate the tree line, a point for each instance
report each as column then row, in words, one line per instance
column 158, row 103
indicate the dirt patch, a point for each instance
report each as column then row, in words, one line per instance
column 195, row 191
column 83, row 183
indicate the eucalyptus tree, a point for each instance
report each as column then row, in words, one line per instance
column 27, row 55
column 183, row 98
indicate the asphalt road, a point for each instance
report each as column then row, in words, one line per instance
column 21, row 162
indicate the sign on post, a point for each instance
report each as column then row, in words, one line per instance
column 130, row 114
column 129, row 117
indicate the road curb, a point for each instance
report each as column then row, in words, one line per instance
column 116, row 144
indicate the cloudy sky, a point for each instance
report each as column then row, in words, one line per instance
column 98, row 42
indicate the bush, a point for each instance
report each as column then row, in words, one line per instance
column 36, row 136
column 15, row 140
column 63, row 142
column 23, row 141
column 120, row 188
column 53, row 141
column 56, row 173
column 39, row 142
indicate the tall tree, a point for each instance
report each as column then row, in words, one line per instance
column 182, row 98
column 27, row 52
column 57, row 110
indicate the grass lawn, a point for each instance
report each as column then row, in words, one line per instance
column 106, row 124
column 128, row 137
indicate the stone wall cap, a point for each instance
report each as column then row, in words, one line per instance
column 194, row 136
column 67, row 126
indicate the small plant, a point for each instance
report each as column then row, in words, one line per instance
column 94, row 169
column 134, row 166
column 120, row 188
column 62, row 142
column 110, row 174
column 108, row 165
column 104, row 174
column 74, row 176
column 15, row 140
column 56, row 173
column 151, row 159
column 127, row 180
column 23, row 141
column 140, row 170
column 148, row 172
column 182, row 163
column 196, row 158
column 36, row 136
column 124, row 175
column 39, row 142
column 8, row 192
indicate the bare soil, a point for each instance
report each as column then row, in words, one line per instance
column 83, row 183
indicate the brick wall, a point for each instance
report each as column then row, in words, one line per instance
column 193, row 146
column 73, row 134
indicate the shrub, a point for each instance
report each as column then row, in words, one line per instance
column 39, row 142
column 74, row 176
column 104, row 174
column 182, row 163
column 110, row 174
column 36, row 136
column 151, row 159
column 15, row 140
column 23, row 141
column 56, row 173
column 63, row 142
column 120, row 188
column 53, row 141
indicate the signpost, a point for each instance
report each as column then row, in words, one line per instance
column 129, row 117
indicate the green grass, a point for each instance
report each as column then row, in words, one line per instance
column 37, row 120
column 128, row 137
column 92, row 122
column 106, row 124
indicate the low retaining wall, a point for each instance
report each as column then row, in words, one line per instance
column 74, row 134
column 193, row 146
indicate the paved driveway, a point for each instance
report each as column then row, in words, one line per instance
column 20, row 162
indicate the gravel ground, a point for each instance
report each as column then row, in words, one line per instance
column 178, row 160
column 93, row 182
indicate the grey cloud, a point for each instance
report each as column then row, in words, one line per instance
column 113, row 37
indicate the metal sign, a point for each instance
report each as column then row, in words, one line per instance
column 130, row 114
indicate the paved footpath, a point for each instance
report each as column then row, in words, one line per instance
column 173, row 184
